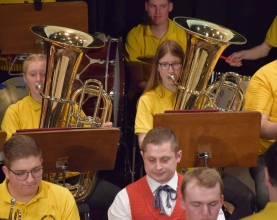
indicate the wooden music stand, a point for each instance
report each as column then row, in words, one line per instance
column 85, row 149
column 16, row 20
column 230, row 139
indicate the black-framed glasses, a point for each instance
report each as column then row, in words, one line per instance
column 175, row 66
column 37, row 172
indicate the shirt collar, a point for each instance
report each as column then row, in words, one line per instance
column 163, row 92
column 153, row 184
column 6, row 196
column 34, row 104
column 148, row 32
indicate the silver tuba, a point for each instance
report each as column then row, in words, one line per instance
column 205, row 43
column 65, row 48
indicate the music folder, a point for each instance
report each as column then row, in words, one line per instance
column 85, row 149
column 230, row 138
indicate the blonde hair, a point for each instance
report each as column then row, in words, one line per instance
column 167, row 46
column 32, row 58
column 204, row 176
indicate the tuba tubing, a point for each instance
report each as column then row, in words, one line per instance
column 65, row 48
column 205, row 43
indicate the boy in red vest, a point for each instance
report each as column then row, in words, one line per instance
column 202, row 195
column 156, row 195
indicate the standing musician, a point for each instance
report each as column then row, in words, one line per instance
column 261, row 95
column 160, row 95
column 35, row 199
column 202, row 196
column 25, row 114
column 156, row 195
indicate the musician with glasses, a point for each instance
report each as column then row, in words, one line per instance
column 144, row 39
column 160, row 95
column 35, row 198
column 25, row 114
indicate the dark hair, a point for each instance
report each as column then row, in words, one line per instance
column 167, row 46
column 203, row 176
column 159, row 136
column 18, row 147
column 270, row 160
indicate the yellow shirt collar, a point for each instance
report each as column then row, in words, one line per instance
column 163, row 92
column 148, row 32
column 7, row 196
column 34, row 104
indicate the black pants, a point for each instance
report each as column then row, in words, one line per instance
column 102, row 196
column 239, row 195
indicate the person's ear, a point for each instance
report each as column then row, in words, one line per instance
column 6, row 172
column 141, row 153
column 146, row 6
column 24, row 77
column 179, row 156
column 221, row 200
column 170, row 6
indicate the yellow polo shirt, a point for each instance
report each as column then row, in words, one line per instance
column 268, row 213
column 140, row 41
column 261, row 95
column 51, row 202
column 150, row 103
column 24, row 114
column 271, row 35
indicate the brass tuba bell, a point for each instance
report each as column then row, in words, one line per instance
column 65, row 48
column 205, row 43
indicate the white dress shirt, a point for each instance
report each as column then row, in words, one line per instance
column 120, row 209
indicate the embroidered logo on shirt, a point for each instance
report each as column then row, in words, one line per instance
column 46, row 217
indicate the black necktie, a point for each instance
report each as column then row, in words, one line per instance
column 171, row 193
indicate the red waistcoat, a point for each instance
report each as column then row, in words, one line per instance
column 142, row 202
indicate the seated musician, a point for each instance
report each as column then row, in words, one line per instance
column 160, row 95
column 25, row 114
column 156, row 195
column 35, row 199
column 202, row 195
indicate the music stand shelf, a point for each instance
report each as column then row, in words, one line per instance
column 16, row 20
column 87, row 149
column 231, row 137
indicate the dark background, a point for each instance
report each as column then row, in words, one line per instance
column 250, row 18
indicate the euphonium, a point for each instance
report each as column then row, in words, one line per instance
column 205, row 43
column 65, row 48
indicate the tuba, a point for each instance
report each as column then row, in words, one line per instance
column 205, row 43
column 65, row 48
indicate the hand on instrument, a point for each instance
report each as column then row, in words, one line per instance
column 235, row 59
column 107, row 124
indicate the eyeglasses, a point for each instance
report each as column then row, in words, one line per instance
column 24, row 175
column 175, row 66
